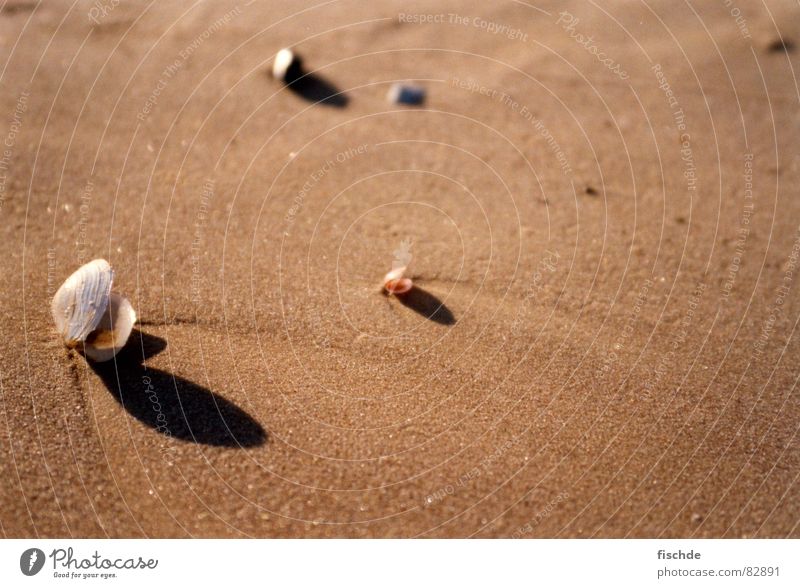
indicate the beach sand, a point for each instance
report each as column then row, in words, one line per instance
column 599, row 207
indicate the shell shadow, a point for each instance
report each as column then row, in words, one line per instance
column 175, row 406
column 423, row 302
column 782, row 45
column 316, row 89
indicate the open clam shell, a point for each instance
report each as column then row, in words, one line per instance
column 80, row 302
column 88, row 314
column 396, row 283
column 113, row 330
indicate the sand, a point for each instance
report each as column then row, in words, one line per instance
column 599, row 208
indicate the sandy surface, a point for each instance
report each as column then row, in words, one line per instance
column 604, row 232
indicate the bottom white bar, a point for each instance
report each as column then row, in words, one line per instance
column 399, row 563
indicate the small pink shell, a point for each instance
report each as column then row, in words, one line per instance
column 395, row 283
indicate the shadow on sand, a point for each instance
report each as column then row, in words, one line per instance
column 314, row 88
column 172, row 405
column 423, row 302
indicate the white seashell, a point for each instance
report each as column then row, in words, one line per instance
column 395, row 281
column 286, row 66
column 81, row 301
column 87, row 313
column 113, row 331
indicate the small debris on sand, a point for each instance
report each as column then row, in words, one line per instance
column 406, row 94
